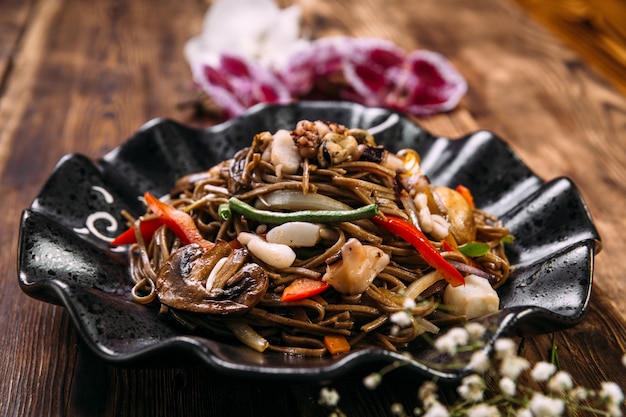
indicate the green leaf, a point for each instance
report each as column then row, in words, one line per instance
column 508, row 239
column 474, row 249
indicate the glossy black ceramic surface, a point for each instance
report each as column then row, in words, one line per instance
column 64, row 255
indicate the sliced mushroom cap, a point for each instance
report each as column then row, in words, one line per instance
column 237, row 169
column 181, row 282
column 458, row 212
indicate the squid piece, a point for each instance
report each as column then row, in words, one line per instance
column 476, row 298
column 358, row 267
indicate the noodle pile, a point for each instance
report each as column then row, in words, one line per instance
column 344, row 165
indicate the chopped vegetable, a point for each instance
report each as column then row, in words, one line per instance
column 467, row 194
column 179, row 222
column 447, row 246
column 223, row 210
column 147, row 228
column 296, row 200
column 419, row 241
column 315, row 216
column 474, row 249
column 508, row 239
column 247, row 335
column 336, row 344
column 303, row 288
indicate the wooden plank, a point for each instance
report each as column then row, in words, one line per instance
column 13, row 23
column 595, row 29
column 85, row 75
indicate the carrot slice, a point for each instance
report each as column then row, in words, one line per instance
column 336, row 344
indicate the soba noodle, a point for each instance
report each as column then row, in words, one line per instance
column 335, row 169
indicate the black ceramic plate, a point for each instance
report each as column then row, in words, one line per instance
column 64, row 256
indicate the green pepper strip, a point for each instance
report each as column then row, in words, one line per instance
column 314, row 216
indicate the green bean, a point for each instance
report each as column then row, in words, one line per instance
column 313, row 216
column 224, row 212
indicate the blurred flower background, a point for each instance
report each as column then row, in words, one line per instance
column 252, row 51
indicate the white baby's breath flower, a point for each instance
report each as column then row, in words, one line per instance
column 329, row 397
column 397, row 409
column 401, row 318
column 449, row 342
column 611, row 393
column 507, row 386
column 373, row 380
column 480, row 362
column 543, row 406
column 408, row 303
column 437, row 410
column 483, row 410
column 504, row 347
column 524, row 412
column 511, row 366
column 459, row 335
column 426, row 391
column 560, row 382
column 445, row 344
column 542, row 371
column 475, row 330
column 472, row 388
column 578, row 394
column 614, row 410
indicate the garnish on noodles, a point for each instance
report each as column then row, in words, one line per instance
column 315, row 241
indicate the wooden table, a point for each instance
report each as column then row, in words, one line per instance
column 83, row 76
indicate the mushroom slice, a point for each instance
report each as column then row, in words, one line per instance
column 181, row 282
column 459, row 213
column 237, row 179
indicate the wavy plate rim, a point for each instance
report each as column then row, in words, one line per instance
column 509, row 321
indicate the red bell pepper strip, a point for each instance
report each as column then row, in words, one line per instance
column 447, row 246
column 178, row 221
column 303, row 288
column 420, row 242
column 147, row 228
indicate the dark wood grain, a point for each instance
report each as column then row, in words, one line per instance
column 83, row 76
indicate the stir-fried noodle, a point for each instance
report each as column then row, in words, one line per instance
column 375, row 286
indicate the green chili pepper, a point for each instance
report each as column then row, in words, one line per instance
column 313, row 216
